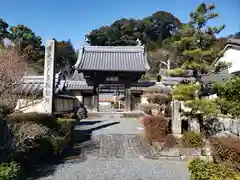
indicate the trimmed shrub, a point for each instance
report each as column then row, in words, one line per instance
column 192, row 140
column 40, row 151
column 10, row 171
column 65, row 127
column 40, row 118
column 203, row 170
column 226, row 150
column 41, row 146
column 68, row 115
column 155, row 128
column 59, row 144
column 185, row 92
column 178, row 72
column 170, row 141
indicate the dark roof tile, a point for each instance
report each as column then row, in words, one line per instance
column 110, row 58
column 78, row 85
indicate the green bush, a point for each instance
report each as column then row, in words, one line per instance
column 229, row 93
column 178, row 72
column 40, row 118
column 65, row 127
column 203, row 106
column 185, row 92
column 64, row 136
column 43, row 147
column 231, row 90
column 228, row 107
column 58, row 145
column 203, row 170
column 10, row 171
column 192, row 140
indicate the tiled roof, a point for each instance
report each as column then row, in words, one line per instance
column 30, row 88
column 112, row 58
column 233, row 41
column 78, row 85
column 217, row 77
column 35, row 84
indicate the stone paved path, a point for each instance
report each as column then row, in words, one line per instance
column 118, row 153
column 120, row 146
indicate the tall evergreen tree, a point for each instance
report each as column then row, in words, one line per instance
column 196, row 46
column 196, row 39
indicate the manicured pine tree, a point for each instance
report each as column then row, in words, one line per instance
column 195, row 45
column 196, row 39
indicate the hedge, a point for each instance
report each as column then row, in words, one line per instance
column 43, row 148
column 40, row 118
column 192, row 140
column 204, row 170
column 10, row 171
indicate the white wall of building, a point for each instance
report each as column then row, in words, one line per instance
column 62, row 105
column 232, row 56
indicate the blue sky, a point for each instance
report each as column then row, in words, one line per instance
column 74, row 18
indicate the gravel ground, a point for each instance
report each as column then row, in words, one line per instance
column 119, row 157
column 121, row 169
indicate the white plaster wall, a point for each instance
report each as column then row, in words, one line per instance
column 35, row 106
column 38, row 105
column 79, row 96
column 232, row 56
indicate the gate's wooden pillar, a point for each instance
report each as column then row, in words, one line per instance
column 96, row 98
column 127, row 98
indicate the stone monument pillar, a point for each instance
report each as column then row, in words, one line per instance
column 49, row 77
column 176, row 119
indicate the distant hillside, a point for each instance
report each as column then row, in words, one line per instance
column 151, row 30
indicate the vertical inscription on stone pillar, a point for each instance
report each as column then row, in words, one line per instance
column 49, row 76
column 176, row 118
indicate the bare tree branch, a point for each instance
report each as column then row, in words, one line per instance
column 26, row 134
column 12, row 68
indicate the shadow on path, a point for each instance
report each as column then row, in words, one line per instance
column 85, row 123
column 81, row 135
column 74, row 154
